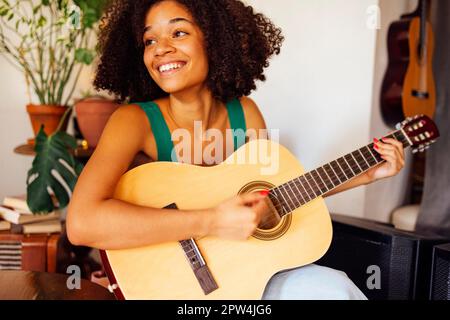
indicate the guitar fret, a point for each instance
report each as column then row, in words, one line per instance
column 313, row 184
column 342, row 164
column 296, row 203
column 304, row 188
column 334, row 177
column 352, row 164
column 401, row 138
column 351, row 169
column 359, row 161
column 338, row 171
column 291, row 208
column 325, row 178
column 372, row 160
column 319, row 182
column 299, row 192
column 376, row 154
column 311, row 190
column 284, row 199
column 363, row 157
column 342, row 170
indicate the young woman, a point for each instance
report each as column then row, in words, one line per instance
column 174, row 63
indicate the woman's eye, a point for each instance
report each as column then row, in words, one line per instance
column 179, row 34
column 149, row 42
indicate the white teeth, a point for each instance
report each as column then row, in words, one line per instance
column 169, row 66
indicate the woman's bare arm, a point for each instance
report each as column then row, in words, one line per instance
column 96, row 219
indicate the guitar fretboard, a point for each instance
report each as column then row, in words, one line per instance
column 299, row 191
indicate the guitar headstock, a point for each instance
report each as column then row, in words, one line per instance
column 421, row 132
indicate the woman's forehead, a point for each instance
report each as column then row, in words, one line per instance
column 166, row 12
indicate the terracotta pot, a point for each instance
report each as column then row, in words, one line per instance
column 92, row 115
column 48, row 115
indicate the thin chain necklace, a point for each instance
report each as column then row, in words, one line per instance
column 210, row 117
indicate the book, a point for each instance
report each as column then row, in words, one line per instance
column 16, row 217
column 18, row 203
column 5, row 225
column 49, row 226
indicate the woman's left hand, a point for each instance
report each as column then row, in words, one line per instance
column 390, row 150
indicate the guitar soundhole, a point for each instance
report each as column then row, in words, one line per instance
column 270, row 219
column 271, row 226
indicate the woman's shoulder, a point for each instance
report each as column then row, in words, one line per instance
column 253, row 116
column 131, row 117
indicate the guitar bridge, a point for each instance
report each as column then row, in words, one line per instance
column 197, row 263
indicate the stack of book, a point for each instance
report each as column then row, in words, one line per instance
column 16, row 217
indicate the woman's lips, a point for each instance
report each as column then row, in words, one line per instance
column 170, row 68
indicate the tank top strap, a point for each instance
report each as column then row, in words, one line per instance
column 160, row 130
column 237, row 122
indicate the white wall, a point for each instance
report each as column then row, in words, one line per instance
column 320, row 93
column 15, row 125
column 386, row 195
column 15, row 129
column 319, row 90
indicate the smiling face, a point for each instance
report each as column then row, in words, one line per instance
column 174, row 53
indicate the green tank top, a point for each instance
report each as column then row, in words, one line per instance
column 163, row 137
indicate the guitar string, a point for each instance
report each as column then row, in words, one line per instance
column 279, row 205
column 320, row 186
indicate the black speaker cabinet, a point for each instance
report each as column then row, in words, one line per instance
column 384, row 262
column 440, row 278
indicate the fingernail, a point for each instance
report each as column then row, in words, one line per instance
column 375, row 140
column 375, row 146
column 264, row 192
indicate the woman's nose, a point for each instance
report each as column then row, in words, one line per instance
column 163, row 46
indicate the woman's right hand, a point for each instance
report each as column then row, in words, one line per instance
column 238, row 217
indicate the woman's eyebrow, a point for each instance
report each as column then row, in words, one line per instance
column 171, row 21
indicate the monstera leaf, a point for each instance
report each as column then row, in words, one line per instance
column 54, row 172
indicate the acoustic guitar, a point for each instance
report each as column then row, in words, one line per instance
column 296, row 232
column 408, row 86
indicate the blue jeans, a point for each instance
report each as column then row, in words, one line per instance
column 312, row 282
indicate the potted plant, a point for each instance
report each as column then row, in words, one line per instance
column 92, row 112
column 50, row 42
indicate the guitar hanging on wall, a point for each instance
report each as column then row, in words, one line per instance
column 296, row 232
column 408, row 87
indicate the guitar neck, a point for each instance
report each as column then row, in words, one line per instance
column 313, row 184
column 424, row 18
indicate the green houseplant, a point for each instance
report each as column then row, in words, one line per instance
column 50, row 41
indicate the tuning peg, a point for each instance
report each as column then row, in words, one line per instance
column 414, row 151
column 398, row 126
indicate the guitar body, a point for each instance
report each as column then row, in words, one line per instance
column 241, row 269
column 408, row 87
column 392, row 88
column 412, row 104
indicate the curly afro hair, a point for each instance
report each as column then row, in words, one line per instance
column 238, row 42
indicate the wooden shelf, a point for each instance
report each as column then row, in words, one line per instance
column 28, row 150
